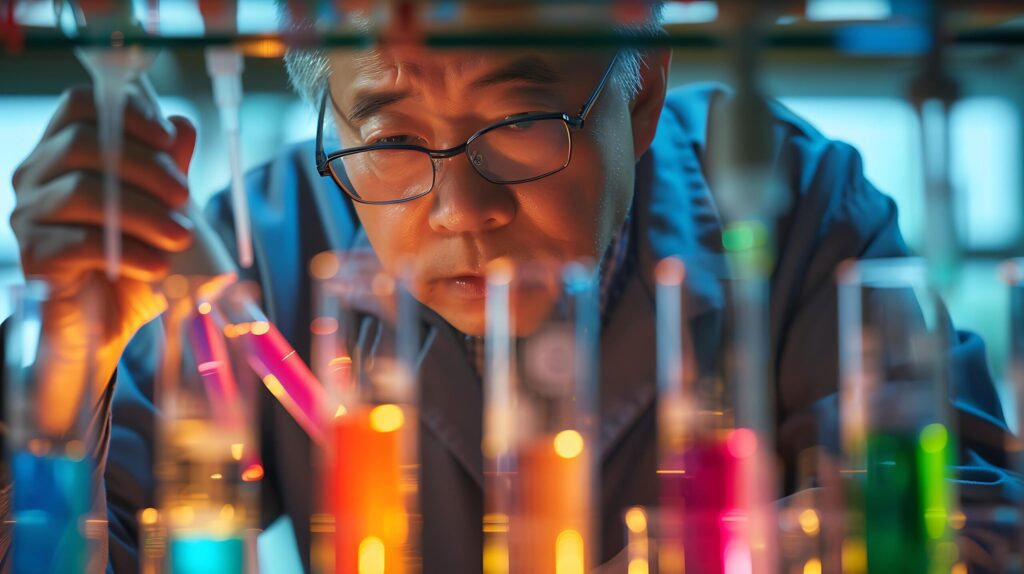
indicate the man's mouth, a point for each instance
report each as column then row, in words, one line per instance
column 467, row 287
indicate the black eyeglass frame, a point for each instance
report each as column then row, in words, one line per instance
column 325, row 169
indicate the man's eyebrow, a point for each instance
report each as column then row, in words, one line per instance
column 530, row 69
column 367, row 104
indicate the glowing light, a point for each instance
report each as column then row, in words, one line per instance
column 324, row 265
column 957, row 520
column 205, row 308
column 236, row 450
column 495, row 557
column 371, row 555
column 855, row 555
column 386, row 418
column 340, row 412
column 812, row 566
column 934, row 438
column 670, row 271
column 274, row 386
column 809, row 522
column 227, row 513
column 958, row 568
column 149, row 516
column 75, row 450
column 260, row 327
column 638, row 566
column 636, row 519
column 737, row 558
column 568, row 444
column 216, row 476
column 569, row 552
column 253, row 473
column 742, row 443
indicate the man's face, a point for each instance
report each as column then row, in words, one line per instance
column 437, row 100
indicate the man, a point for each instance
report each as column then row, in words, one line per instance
column 431, row 162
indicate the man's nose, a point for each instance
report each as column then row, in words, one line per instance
column 465, row 202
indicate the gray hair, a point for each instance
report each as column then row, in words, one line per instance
column 309, row 70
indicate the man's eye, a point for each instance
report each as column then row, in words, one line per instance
column 393, row 140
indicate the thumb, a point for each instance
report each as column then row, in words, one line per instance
column 184, row 142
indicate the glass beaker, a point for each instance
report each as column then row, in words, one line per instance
column 895, row 426
column 54, row 401
column 539, row 438
column 365, row 339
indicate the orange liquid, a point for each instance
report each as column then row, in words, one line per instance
column 365, row 490
column 551, row 524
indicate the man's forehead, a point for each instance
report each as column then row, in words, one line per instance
column 384, row 66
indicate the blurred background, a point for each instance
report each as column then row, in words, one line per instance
column 835, row 69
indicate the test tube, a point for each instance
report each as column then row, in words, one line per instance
column 206, row 497
column 53, row 401
column 282, row 370
column 539, row 442
column 711, row 465
column 898, row 445
column 365, row 332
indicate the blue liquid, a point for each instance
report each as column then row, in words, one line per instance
column 52, row 496
column 207, row 555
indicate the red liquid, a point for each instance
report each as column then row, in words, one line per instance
column 365, row 492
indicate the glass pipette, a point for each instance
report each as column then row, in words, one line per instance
column 224, row 64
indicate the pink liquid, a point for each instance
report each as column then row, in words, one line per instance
column 283, row 372
column 700, row 491
column 211, row 356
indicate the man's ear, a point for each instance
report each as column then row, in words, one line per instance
column 645, row 109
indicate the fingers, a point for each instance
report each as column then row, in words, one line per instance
column 184, row 143
column 77, row 199
column 142, row 121
column 76, row 148
column 64, row 251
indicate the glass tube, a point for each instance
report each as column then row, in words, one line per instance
column 711, row 466
column 207, row 487
column 899, row 447
column 539, row 442
column 52, row 399
column 365, row 337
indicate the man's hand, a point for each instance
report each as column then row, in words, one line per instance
column 58, row 221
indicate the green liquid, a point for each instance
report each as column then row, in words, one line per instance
column 906, row 502
column 207, row 555
column 51, row 500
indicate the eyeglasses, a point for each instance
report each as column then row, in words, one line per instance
column 515, row 150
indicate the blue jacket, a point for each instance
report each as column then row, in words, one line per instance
column 835, row 214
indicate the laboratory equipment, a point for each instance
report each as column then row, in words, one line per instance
column 541, row 398
column 113, row 71
column 52, row 401
column 712, row 467
column 225, row 64
column 933, row 93
column 365, row 337
column 898, row 448
column 285, row 374
column 206, row 437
